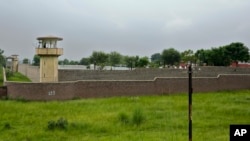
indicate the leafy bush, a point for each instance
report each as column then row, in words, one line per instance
column 9, row 73
column 61, row 123
column 51, row 125
column 7, row 126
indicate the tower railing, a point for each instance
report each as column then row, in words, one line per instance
column 49, row 51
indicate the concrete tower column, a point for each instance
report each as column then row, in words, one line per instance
column 48, row 51
column 15, row 63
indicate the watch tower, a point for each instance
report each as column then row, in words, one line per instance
column 49, row 52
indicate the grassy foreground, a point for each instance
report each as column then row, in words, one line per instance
column 147, row 118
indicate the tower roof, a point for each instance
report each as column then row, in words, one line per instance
column 49, row 38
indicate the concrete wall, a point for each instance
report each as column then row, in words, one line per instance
column 32, row 72
column 146, row 74
column 106, row 88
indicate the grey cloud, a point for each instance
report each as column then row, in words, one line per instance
column 140, row 27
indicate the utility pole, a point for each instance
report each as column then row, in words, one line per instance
column 190, row 91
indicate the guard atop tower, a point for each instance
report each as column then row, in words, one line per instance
column 48, row 46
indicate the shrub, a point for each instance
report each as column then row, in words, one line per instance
column 9, row 73
column 138, row 117
column 61, row 123
column 7, row 126
column 51, row 125
column 123, row 118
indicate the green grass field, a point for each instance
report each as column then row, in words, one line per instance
column 147, row 118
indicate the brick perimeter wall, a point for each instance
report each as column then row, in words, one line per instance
column 146, row 74
column 138, row 74
column 105, row 88
column 3, row 91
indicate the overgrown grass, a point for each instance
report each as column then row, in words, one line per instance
column 16, row 76
column 160, row 118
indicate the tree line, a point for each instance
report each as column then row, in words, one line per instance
column 102, row 59
column 224, row 55
column 216, row 56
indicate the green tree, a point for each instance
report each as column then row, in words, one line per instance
column 143, row 62
column 156, row 57
column 188, row 56
column 115, row 58
column 36, row 60
column 156, row 60
column 200, row 56
column 218, row 57
column 136, row 60
column 170, row 56
column 224, row 55
column 85, row 61
column 25, row 61
column 2, row 58
column 72, row 62
column 60, row 62
column 65, row 62
column 130, row 61
column 204, row 57
column 99, row 58
column 237, row 52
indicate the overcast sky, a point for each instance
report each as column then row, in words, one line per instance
column 131, row 27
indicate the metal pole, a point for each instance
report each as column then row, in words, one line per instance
column 190, row 91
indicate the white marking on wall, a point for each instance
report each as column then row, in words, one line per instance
column 51, row 93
